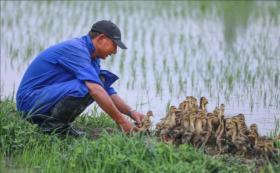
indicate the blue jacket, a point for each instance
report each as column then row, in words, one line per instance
column 59, row 71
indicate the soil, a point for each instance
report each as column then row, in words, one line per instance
column 95, row 133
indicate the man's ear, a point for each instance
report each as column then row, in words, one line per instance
column 100, row 36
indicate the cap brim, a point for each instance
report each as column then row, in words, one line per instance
column 120, row 44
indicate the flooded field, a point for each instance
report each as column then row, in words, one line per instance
column 227, row 52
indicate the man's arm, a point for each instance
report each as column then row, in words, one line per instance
column 121, row 105
column 104, row 101
column 125, row 109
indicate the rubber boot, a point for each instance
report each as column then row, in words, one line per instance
column 64, row 113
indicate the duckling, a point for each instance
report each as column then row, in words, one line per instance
column 202, row 104
column 216, row 111
column 269, row 148
column 253, row 134
column 178, row 117
column 175, row 133
column 159, row 126
column 188, row 101
column 222, row 110
column 219, row 113
column 188, row 127
column 229, row 128
column 185, row 130
column 220, row 132
column 212, row 125
column 212, row 121
column 164, row 120
column 202, row 133
column 193, row 106
column 169, row 122
column 264, row 147
column 147, row 122
column 185, row 123
column 242, row 127
column 192, row 118
column 238, row 141
column 259, row 147
column 184, row 105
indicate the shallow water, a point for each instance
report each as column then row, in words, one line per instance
column 228, row 52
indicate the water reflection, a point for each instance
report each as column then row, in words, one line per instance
column 226, row 51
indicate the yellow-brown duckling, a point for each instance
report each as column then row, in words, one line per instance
column 147, row 122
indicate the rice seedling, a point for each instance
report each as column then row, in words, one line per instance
column 227, row 52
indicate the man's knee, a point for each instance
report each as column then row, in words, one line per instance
column 70, row 107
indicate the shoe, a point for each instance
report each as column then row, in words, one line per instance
column 74, row 132
column 61, row 129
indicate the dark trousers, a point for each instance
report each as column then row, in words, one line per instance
column 63, row 113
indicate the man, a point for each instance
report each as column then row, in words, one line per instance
column 65, row 78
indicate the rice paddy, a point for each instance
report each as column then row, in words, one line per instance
column 228, row 52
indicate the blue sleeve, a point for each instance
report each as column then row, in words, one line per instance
column 77, row 61
column 110, row 91
column 108, row 78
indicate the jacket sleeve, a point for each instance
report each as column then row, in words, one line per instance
column 77, row 61
column 108, row 78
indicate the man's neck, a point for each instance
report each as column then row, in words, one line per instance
column 94, row 55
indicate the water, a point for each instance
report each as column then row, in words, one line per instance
column 226, row 51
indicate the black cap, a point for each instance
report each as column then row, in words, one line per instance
column 111, row 30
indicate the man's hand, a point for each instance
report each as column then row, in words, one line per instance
column 127, row 127
column 107, row 104
column 125, row 109
column 138, row 117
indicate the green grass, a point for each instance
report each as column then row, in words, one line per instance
column 24, row 149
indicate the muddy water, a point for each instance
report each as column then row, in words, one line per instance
column 227, row 52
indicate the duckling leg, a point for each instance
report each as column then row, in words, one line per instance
column 199, row 142
column 196, row 139
column 265, row 156
column 148, row 132
column 201, row 139
column 186, row 137
column 208, row 135
column 221, row 147
column 241, row 151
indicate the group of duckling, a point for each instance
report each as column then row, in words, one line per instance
column 191, row 123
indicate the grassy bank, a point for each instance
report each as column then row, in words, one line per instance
column 24, row 149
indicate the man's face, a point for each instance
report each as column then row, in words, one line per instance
column 104, row 46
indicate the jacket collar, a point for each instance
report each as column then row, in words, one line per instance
column 89, row 44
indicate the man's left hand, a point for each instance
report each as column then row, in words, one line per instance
column 138, row 117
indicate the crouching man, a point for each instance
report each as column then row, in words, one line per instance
column 66, row 78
